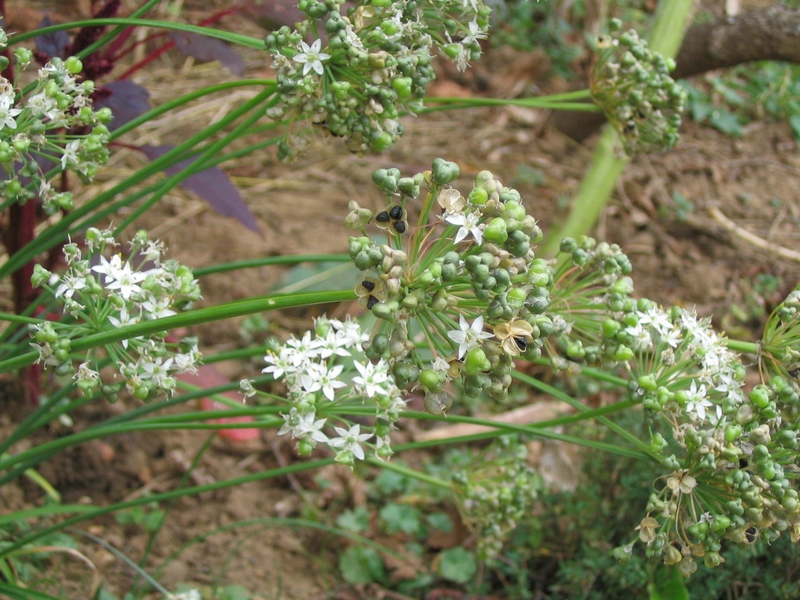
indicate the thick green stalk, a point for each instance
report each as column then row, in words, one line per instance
column 239, row 308
column 608, row 161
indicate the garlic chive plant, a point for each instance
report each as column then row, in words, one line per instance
column 460, row 295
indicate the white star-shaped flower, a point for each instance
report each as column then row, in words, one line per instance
column 467, row 224
column 350, row 440
column 468, row 336
column 311, row 57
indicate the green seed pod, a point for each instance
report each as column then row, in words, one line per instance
column 405, row 374
column 437, row 403
column 476, row 362
column 442, row 171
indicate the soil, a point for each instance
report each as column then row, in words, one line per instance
column 686, row 257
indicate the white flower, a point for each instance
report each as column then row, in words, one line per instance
column 124, row 319
column 119, row 276
column 698, row 403
column 7, row 113
column 70, row 156
column 467, row 224
column 350, row 441
column 311, row 58
column 318, row 377
column 640, row 336
column 372, row 379
column 468, row 336
column 475, row 34
column 279, row 364
column 86, row 374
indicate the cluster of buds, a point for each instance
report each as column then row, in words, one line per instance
column 632, row 85
column 32, row 123
column 375, row 64
column 497, row 493
column 323, row 376
column 101, row 294
column 730, row 455
column 779, row 345
column 467, row 284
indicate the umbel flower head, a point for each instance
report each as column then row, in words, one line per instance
column 466, row 275
column 373, row 65
column 32, row 126
column 109, row 294
column 632, row 85
column 325, row 371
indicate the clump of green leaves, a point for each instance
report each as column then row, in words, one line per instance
column 746, row 93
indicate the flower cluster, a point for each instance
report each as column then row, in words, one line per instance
column 101, row 294
column 730, row 456
column 469, row 282
column 375, row 64
column 32, row 125
column 323, row 375
column 497, row 493
column 632, row 85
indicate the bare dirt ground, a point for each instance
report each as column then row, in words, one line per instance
column 687, row 259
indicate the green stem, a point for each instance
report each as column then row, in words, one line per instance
column 204, row 315
column 408, row 472
column 743, row 347
column 235, row 38
column 291, row 259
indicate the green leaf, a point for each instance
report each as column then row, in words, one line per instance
column 794, row 121
column 234, row 592
column 440, row 521
column 104, row 594
column 401, row 518
column 390, row 482
column 360, row 565
column 668, row 584
column 354, row 520
column 458, row 565
column 726, row 122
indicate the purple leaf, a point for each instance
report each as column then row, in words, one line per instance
column 212, row 185
column 126, row 99
column 205, row 49
column 271, row 14
column 52, row 44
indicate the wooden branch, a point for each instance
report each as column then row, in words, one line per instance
column 768, row 34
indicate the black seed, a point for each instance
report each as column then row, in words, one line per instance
column 400, row 227
column 382, row 217
column 521, row 343
column 743, row 463
column 371, row 301
column 396, row 212
column 677, row 545
column 368, row 285
column 750, row 534
column 794, row 373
